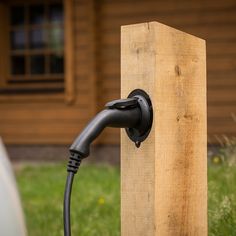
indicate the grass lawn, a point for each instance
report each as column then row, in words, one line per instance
column 95, row 200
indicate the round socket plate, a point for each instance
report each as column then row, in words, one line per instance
column 141, row 132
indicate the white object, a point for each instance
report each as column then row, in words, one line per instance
column 11, row 215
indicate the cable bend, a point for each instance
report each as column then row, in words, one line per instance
column 107, row 118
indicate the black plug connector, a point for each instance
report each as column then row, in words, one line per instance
column 133, row 113
column 110, row 117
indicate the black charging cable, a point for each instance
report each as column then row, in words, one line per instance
column 72, row 168
column 67, row 196
column 133, row 113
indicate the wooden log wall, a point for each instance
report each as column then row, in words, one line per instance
column 48, row 118
column 212, row 20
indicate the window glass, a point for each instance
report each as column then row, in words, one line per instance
column 37, row 14
column 37, row 64
column 56, row 64
column 56, row 13
column 37, row 38
column 37, row 33
column 18, row 65
column 17, row 15
column 18, row 39
column 56, row 38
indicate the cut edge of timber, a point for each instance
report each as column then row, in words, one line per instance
column 160, row 24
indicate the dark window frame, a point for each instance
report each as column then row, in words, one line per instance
column 30, row 51
column 57, row 88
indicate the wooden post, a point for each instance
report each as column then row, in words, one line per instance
column 164, row 182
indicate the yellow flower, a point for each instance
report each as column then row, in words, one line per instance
column 101, row 201
column 216, row 160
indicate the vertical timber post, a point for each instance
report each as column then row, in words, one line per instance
column 164, row 182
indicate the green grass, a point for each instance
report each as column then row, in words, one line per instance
column 95, row 200
column 222, row 200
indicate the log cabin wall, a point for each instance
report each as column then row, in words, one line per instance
column 57, row 118
column 213, row 20
column 50, row 118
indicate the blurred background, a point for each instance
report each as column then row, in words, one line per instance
column 59, row 65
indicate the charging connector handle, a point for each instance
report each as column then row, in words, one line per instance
column 122, row 115
column 133, row 113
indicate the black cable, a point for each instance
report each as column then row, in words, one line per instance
column 67, row 196
column 72, row 168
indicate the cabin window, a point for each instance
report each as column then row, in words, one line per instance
column 37, row 41
column 32, row 59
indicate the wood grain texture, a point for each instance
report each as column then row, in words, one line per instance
column 92, row 78
column 69, row 51
column 164, row 182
